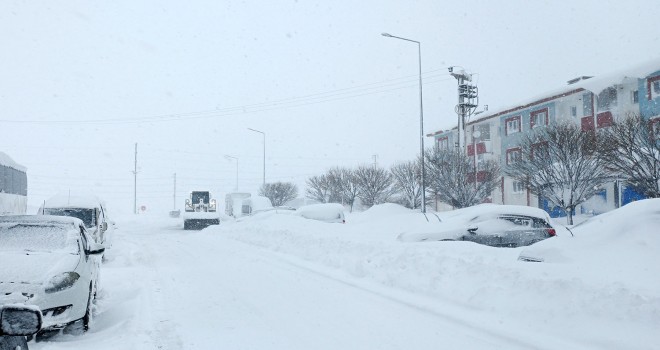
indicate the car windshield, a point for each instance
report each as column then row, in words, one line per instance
column 84, row 214
column 35, row 237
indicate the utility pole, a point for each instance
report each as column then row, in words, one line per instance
column 375, row 156
column 174, row 207
column 135, row 182
column 468, row 100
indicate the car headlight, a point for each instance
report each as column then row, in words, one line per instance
column 62, row 282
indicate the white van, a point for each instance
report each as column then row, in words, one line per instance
column 88, row 208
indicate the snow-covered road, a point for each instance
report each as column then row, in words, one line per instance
column 247, row 286
column 165, row 288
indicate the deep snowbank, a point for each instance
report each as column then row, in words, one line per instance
column 589, row 300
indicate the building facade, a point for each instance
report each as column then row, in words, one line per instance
column 13, row 186
column 592, row 102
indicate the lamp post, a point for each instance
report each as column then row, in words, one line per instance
column 264, row 135
column 231, row 157
column 421, row 115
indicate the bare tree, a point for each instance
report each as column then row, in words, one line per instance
column 452, row 174
column 318, row 188
column 407, row 182
column 560, row 163
column 630, row 150
column 343, row 183
column 279, row 192
column 374, row 185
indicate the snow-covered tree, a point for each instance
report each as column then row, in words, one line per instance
column 279, row 192
column 407, row 178
column 318, row 188
column 560, row 163
column 630, row 149
column 343, row 186
column 451, row 174
column 374, row 185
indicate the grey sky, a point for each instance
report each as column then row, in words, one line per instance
column 83, row 81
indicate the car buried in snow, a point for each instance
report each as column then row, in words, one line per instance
column 326, row 212
column 488, row 224
column 54, row 266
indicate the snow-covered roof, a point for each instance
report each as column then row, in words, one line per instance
column 594, row 84
column 7, row 161
column 73, row 201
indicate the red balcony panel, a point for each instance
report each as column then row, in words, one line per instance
column 587, row 123
column 481, row 148
column 604, row 119
column 481, row 175
column 470, row 150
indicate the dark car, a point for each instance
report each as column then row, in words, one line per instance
column 489, row 224
column 508, row 230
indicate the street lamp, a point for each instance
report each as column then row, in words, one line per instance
column 264, row 135
column 231, row 157
column 421, row 116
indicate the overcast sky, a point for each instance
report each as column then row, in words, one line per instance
column 82, row 81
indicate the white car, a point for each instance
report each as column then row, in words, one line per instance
column 50, row 262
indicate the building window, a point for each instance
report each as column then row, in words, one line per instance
column 513, row 155
column 653, row 87
column 443, row 143
column 607, row 99
column 518, row 187
column 539, row 118
column 634, row 96
column 573, row 111
column 512, row 125
column 655, row 128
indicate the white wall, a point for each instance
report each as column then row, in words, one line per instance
column 12, row 204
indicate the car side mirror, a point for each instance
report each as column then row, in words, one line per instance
column 104, row 226
column 95, row 248
column 20, row 320
column 473, row 229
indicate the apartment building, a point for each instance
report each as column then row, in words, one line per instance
column 592, row 102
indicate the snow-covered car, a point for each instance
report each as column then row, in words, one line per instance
column 54, row 265
column 327, row 212
column 488, row 224
column 88, row 208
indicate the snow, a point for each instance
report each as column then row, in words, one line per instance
column 63, row 200
column 328, row 212
column 7, row 161
column 12, row 204
column 283, row 282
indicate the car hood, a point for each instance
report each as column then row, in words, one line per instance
column 35, row 267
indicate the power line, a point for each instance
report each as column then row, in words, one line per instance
column 286, row 103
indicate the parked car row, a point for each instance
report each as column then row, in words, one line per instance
column 56, row 258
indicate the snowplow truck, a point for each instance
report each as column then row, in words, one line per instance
column 201, row 211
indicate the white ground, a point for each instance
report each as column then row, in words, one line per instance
column 284, row 282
